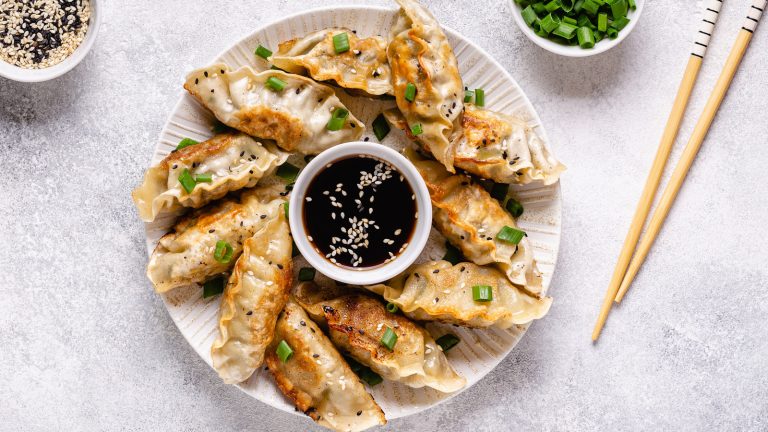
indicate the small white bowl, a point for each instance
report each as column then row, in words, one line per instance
column 370, row 275
column 575, row 50
column 16, row 73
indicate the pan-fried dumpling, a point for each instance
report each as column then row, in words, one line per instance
column 471, row 219
column 187, row 254
column 233, row 161
column 497, row 147
column 295, row 117
column 364, row 67
column 255, row 294
column 420, row 54
column 440, row 291
column 317, row 379
column 356, row 324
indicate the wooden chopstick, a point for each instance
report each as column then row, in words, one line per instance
column 701, row 41
column 699, row 133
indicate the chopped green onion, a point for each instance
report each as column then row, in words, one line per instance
column 510, row 235
column 186, row 142
column 602, row 22
column 566, row 5
column 284, row 351
column 186, row 180
column 549, row 23
column 447, row 341
column 565, row 31
column 286, row 205
column 416, row 129
column 591, row 7
column 410, row 92
column 612, row 33
column 337, row 120
column 529, row 15
column 480, row 97
column 219, row 128
column 389, row 339
column 499, row 191
column 569, row 20
column 288, row 172
column 341, row 43
column 452, row 254
column 468, row 96
column 482, row 293
column 586, row 37
column 307, row 274
column 223, row 252
column 363, row 372
column 276, row 84
column 263, row 52
column 632, row 4
column 213, row 287
column 380, row 127
column 514, row 208
column 392, row 308
column 620, row 23
column 204, row 178
column 552, row 6
column 578, row 5
column 618, row 8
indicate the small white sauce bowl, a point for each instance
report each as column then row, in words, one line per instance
column 575, row 50
column 20, row 74
column 363, row 275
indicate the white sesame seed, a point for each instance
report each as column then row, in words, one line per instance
column 309, row 199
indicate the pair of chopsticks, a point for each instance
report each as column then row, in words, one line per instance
column 626, row 270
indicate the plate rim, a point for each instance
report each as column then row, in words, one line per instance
column 451, row 32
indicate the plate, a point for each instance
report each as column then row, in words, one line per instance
column 480, row 350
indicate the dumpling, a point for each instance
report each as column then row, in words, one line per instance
column 356, row 324
column 496, row 146
column 420, row 54
column 233, row 161
column 440, row 291
column 296, row 117
column 471, row 219
column 187, row 254
column 255, row 294
column 364, row 67
column 316, row 378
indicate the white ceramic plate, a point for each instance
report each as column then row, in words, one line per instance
column 480, row 350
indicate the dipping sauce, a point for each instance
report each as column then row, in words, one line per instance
column 359, row 212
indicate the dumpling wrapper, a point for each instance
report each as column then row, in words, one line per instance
column 364, row 67
column 296, row 117
column 316, row 377
column 185, row 255
column 356, row 324
column 470, row 219
column 419, row 53
column 234, row 160
column 496, row 146
column 254, row 296
column 440, row 291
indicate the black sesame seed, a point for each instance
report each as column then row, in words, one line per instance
column 303, row 324
column 249, row 313
column 206, row 74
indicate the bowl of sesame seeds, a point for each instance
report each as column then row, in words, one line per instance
column 44, row 39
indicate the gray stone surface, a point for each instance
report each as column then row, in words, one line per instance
column 86, row 345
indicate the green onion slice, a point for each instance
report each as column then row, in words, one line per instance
column 341, row 43
column 618, row 8
column 288, row 172
column 550, row 23
column 468, row 96
column 416, row 129
column 480, row 97
column 204, row 178
column 510, row 235
column 337, row 120
column 410, row 92
column 552, row 6
column 263, row 52
column 447, row 341
column 186, row 142
column 380, row 127
column 186, row 180
column 284, row 351
column 565, row 31
column 223, row 252
column 214, row 286
column 389, row 339
column 529, row 15
column 285, row 208
column 276, row 84
column 482, row 293
column 514, row 207
column 307, row 274
column 392, row 308
column 586, row 37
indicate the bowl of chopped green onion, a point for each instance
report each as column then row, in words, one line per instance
column 577, row 28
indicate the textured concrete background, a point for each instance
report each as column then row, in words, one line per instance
column 86, row 345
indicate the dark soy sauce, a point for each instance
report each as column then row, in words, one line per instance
column 359, row 212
